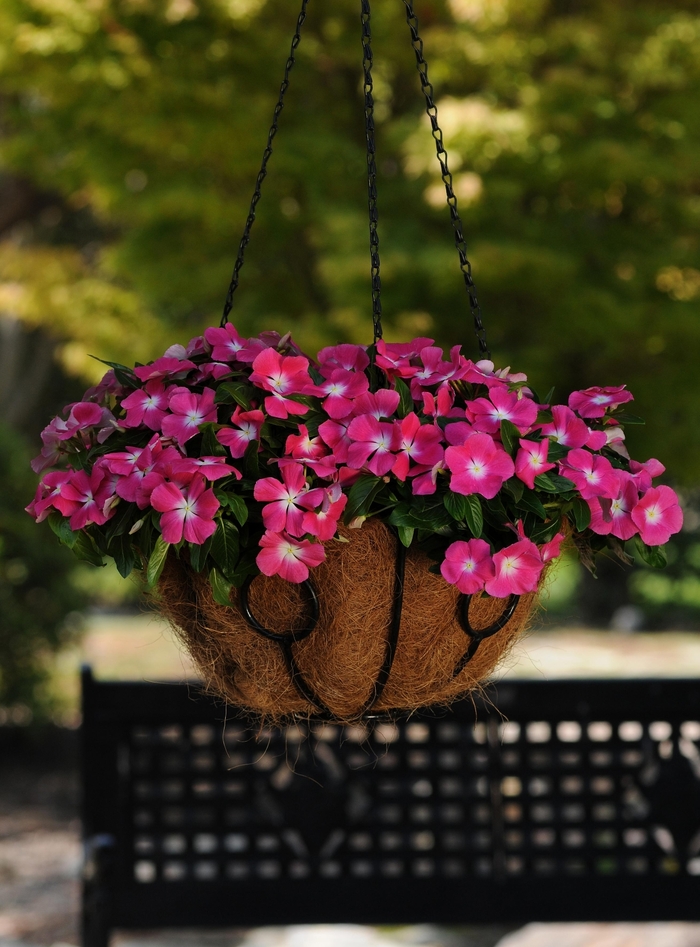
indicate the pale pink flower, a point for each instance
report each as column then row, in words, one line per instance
column 188, row 511
column 517, row 570
column 419, row 443
column 147, row 405
column 658, row 516
column 643, row 474
column 228, row 346
column 323, row 522
column 283, row 501
column 339, row 390
column 282, row 375
column 468, row 565
column 353, row 358
column 594, row 402
column 479, row 466
column 166, row 366
column 594, row 476
column 246, row 428
column 486, row 414
column 373, row 443
column 90, row 493
column 379, row 404
column 531, row 461
column 616, row 517
column 188, row 413
column 566, row 428
column 289, row 558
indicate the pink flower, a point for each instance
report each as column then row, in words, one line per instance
column 479, row 466
column 289, row 558
column 566, row 428
column 188, row 412
column 596, row 440
column 486, row 414
column 379, row 404
column 282, row 375
column 102, row 390
column 395, row 357
column 90, row 494
column 211, row 468
column 593, row 475
column 353, row 358
column 425, row 479
column 228, row 346
column 310, row 451
column 485, row 373
column 517, row 570
column 594, row 402
column 136, row 468
column 187, row 511
column 642, row 474
column 616, row 518
column 340, row 388
column 323, row 522
column 165, row 367
column 435, row 370
column 468, row 565
column 419, row 443
column 373, row 444
column 531, row 461
column 49, row 494
column 658, row 516
column 335, row 435
column 456, row 434
column 247, row 425
column 196, row 346
column 552, row 549
column 147, row 405
column 283, row 510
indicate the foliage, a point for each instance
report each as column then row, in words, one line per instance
column 243, row 456
column 572, row 131
column 37, row 600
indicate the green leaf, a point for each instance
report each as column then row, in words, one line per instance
column 85, row 549
column 199, row 553
column 405, row 399
column 221, row 589
column 556, row 451
column 122, row 552
column 361, row 495
column 510, row 436
column 548, row 397
column 628, row 419
column 553, row 483
column 232, row 391
column 210, row 446
column 225, row 547
column 236, row 504
column 456, row 505
column 474, row 516
column 529, row 501
column 406, row 535
column 251, row 461
column 515, row 487
column 582, row 514
column 61, row 527
column 125, row 376
column 543, row 532
column 654, row 556
column 156, row 562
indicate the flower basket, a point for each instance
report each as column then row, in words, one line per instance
column 360, row 532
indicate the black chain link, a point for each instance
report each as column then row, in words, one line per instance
column 245, row 239
column 432, row 112
column 371, row 169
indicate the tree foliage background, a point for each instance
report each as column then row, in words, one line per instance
column 131, row 132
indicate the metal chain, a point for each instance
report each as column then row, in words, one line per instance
column 371, row 170
column 245, row 239
column 460, row 242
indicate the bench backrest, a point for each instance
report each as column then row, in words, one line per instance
column 562, row 800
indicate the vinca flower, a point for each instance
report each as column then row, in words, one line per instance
column 468, row 565
column 187, row 510
column 289, row 558
column 657, row 516
column 479, row 466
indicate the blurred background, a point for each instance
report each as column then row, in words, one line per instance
column 131, row 132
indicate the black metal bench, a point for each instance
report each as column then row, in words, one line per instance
column 574, row 800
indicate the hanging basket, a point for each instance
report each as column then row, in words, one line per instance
column 355, row 657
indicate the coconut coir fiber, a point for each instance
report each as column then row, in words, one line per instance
column 342, row 656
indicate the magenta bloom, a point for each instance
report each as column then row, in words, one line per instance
column 167, row 366
column 228, row 346
column 89, row 494
column 468, row 565
column 552, row 549
column 594, row 402
column 284, row 501
column 441, row 404
column 658, row 516
column 484, row 372
column 247, row 429
column 643, row 474
column 289, row 558
column 353, row 358
column 211, row 468
column 323, row 522
column 435, row 369
column 335, row 435
column 395, row 357
column 425, row 478
column 457, row 433
column 340, row 389
column 486, row 414
column 282, row 375
column 49, row 494
column 531, row 461
column 420, row 443
column 187, row 511
column 616, row 517
column 593, row 475
column 566, row 428
column 147, row 405
column 373, row 444
column 479, row 466
column 517, row 570
column 188, row 412
column 379, row 404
